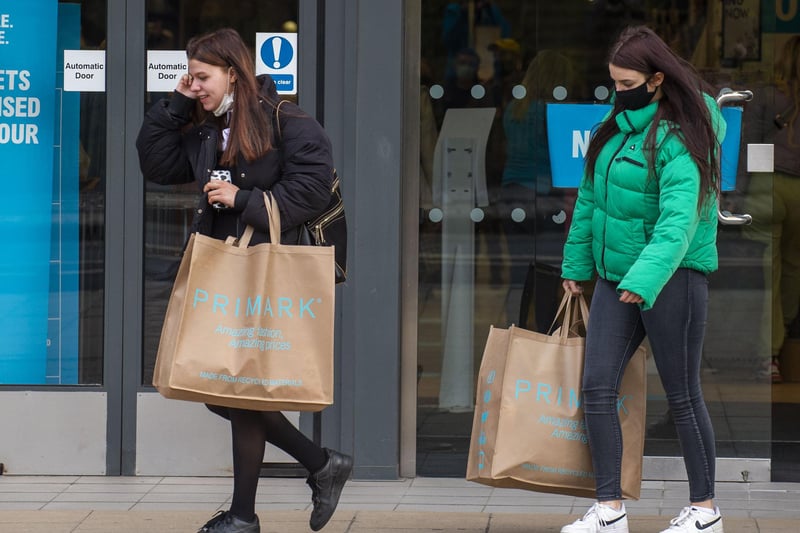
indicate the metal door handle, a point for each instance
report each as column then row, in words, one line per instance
column 726, row 97
column 729, row 219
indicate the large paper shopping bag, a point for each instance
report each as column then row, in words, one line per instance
column 528, row 429
column 250, row 327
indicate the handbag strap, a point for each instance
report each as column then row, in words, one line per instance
column 278, row 119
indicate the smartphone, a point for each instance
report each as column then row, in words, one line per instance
column 224, row 175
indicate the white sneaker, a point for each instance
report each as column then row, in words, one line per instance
column 693, row 520
column 600, row 518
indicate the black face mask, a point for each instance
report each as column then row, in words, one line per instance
column 635, row 98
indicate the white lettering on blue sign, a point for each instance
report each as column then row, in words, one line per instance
column 580, row 143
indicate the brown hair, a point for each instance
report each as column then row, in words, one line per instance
column 545, row 71
column 250, row 125
column 787, row 78
column 682, row 106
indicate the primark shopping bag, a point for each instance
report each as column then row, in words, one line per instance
column 250, row 327
column 528, row 430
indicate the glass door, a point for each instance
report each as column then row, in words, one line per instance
column 495, row 206
column 169, row 212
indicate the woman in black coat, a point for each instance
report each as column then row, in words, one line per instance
column 219, row 129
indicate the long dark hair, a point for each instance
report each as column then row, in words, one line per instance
column 682, row 105
column 250, row 125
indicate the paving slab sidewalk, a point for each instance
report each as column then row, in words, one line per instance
column 79, row 521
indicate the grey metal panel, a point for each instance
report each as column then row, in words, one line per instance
column 133, row 235
column 337, row 420
column 307, row 55
column 114, row 259
column 54, row 432
column 307, row 99
column 410, row 239
column 363, row 114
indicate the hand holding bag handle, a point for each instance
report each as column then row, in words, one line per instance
column 572, row 316
column 274, row 219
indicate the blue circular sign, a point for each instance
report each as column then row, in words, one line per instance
column 277, row 53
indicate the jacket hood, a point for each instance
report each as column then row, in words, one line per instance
column 267, row 88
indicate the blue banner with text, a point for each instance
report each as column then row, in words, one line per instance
column 27, row 95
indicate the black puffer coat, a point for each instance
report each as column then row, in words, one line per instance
column 299, row 172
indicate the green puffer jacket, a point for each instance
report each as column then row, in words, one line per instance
column 639, row 230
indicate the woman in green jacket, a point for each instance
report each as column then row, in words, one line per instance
column 645, row 223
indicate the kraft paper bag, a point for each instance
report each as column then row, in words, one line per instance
column 528, row 430
column 250, row 327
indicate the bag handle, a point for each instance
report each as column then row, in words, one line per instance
column 244, row 240
column 274, row 218
column 571, row 315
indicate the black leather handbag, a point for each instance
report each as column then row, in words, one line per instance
column 330, row 229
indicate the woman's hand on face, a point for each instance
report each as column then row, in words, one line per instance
column 221, row 191
column 572, row 287
column 185, row 86
column 629, row 297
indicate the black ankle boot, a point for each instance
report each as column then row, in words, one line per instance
column 326, row 486
column 225, row 522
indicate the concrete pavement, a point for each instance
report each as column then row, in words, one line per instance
column 81, row 504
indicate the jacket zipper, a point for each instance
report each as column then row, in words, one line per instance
column 320, row 223
column 605, row 222
column 632, row 161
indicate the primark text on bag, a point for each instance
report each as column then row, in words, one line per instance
column 528, row 430
column 250, row 327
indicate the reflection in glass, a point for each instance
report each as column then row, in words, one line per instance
column 548, row 52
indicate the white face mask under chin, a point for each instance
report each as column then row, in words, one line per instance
column 227, row 101
column 225, row 105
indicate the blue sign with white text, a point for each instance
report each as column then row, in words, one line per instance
column 27, row 88
column 283, row 82
column 570, row 127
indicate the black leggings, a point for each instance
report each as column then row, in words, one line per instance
column 250, row 431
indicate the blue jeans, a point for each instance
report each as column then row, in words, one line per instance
column 675, row 326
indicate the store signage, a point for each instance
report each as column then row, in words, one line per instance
column 570, row 127
column 276, row 55
column 164, row 69
column 85, row 70
column 27, row 119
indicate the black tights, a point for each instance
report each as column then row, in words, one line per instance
column 250, row 431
